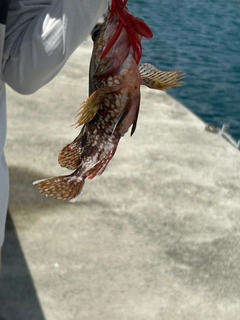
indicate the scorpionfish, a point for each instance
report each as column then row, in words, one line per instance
column 112, row 107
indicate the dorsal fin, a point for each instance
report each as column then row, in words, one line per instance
column 70, row 156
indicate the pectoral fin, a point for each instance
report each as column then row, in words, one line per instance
column 89, row 107
column 160, row 80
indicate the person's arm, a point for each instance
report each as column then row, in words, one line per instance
column 41, row 35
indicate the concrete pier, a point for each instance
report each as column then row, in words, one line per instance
column 156, row 237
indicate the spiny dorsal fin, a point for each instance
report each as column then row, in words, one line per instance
column 89, row 107
column 160, row 80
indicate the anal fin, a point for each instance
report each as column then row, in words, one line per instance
column 101, row 165
column 157, row 79
column 128, row 117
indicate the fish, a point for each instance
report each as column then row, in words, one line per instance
column 112, row 108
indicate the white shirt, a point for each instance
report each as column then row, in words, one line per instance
column 40, row 36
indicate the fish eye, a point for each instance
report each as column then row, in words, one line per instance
column 95, row 31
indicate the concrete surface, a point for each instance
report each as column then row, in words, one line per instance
column 156, row 237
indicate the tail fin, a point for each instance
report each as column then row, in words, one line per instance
column 63, row 187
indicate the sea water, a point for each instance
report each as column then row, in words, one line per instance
column 201, row 38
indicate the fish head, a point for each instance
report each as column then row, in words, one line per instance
column 136, row 28
column 111, row 30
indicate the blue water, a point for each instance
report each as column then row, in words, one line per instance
column 202, row 38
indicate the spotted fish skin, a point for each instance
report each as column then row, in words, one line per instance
column 111, row 109
column 115, row 82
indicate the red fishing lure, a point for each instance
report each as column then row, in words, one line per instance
column 135, row 27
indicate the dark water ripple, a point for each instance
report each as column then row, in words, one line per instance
column 202, row 38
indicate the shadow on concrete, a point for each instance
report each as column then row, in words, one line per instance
column 22, row 193
column 25, row 198
column 18, row 297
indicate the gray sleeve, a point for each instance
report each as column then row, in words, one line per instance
column 41, row 37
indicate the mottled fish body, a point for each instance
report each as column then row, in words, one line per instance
column 113, row 103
